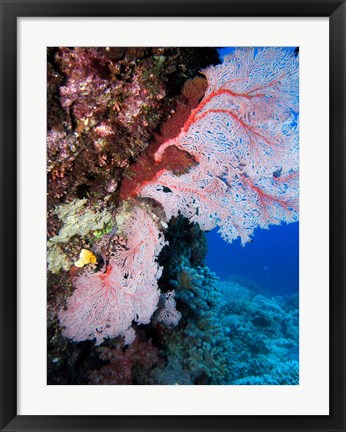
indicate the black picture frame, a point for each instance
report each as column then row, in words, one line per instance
column 10, row 11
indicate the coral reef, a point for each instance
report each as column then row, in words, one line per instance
column 199, row 346
column 263, row 332
column 104, row 106
column 228, row 332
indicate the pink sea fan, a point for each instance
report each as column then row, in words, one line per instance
column 244, row 135
column 246, row 118
column 144, row 241
column 106, row 304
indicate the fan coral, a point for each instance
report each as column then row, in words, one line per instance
column 200, row 346
column 167, row 313
column 244, row 136
column 105, row 304
column 284, row 374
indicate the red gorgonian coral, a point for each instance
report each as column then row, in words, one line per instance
column 244, row 136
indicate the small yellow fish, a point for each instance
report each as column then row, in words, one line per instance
column 85, row 257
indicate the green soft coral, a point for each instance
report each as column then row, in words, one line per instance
column 101, row 232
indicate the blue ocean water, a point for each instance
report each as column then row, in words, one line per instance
column 270, row 263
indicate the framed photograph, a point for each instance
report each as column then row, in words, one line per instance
column 172, row 215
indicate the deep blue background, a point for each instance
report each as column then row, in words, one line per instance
column 270, row 263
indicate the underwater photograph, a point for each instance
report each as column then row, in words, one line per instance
column 172, row 216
